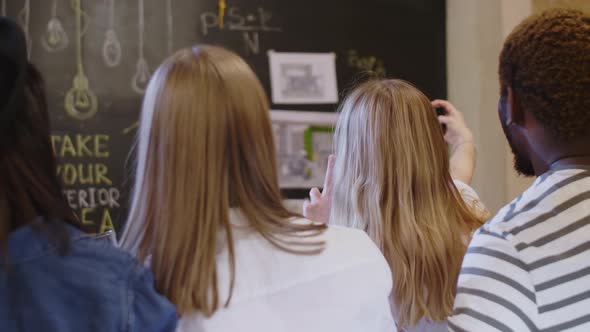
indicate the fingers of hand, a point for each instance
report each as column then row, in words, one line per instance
column 308, row 209
column 328, row 181
column 315, row 195
column 444, row 119
column 451, row 110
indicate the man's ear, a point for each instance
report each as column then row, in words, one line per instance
column 514, row 113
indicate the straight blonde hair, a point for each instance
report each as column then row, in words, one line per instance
column 204, row 145
column 392, row 179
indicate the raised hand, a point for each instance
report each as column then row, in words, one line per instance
column 320, row 203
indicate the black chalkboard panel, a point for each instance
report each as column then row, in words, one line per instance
column 394, row 38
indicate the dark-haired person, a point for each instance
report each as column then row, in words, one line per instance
column 528, row 269
column 54, row 277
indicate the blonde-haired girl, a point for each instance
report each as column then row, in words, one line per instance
column 393, row 179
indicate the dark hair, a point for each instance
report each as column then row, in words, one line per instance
column 546, row 61
column 29, row 185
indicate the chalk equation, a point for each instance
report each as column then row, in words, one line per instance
column 249, row 24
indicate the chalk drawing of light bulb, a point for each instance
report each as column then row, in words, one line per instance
column 111, row 48
column 142, row 71
column 55, row 37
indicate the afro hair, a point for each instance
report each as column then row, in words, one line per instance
column 546, row 61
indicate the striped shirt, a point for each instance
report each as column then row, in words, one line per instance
column 528, row 269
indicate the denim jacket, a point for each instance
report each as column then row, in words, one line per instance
column 95, row 287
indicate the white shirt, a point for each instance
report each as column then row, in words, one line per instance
column 528, row 269
column 343, row 289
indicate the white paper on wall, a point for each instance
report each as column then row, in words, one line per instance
column 302, row 165
column 303, row 78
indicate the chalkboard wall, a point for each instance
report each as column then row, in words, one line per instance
column 92, row 137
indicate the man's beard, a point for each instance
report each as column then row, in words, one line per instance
column 522, row 164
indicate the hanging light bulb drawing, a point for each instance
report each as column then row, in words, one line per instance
column 55, row 37
column 24, row 18
column 111, row 48
column 142, row 71
column 141, row 77
column 80, row 101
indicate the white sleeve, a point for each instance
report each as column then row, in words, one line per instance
column 471, row 198
column 494, row 291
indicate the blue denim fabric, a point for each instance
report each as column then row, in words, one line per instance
column 95, row 287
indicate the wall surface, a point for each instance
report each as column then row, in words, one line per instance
column 514, row 11
column 540, row 5
column 474, row 39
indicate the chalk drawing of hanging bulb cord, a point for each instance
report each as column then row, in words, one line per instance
column 111, row 48
column 81, row 103
column 142, row 71
column 55, row 37
column 24, row 18
column 170, row 26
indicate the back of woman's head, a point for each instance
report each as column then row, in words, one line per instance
column 392, row 180
column 205, row 145
column 29, row 185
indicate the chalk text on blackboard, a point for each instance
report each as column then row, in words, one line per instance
column 84, row 171
column 249, row 24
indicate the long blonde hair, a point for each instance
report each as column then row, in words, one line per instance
column 205, row 145
column 392, row 179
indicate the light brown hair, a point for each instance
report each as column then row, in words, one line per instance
column 392, row 179
column 204, row 145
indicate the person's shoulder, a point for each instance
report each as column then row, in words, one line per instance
column 471, row 198
column 109, row 259
column 351, row 240
column 147, row 310
column 350, row 249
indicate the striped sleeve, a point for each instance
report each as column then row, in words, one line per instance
column 494, row 291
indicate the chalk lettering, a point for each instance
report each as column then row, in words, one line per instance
column 98, row 144
column 67, row 147
column 88, row 179
column 81, row 143
column 69, row 174
column 91, row 195
column 71, row 197
column 251, row 42
column 85, row 212
column 54, row 139
column 208, row 20
column 106, row 223
column 101, row 175
column 80, row 146
column 88, row 174
column 114, row 195
column 235, row 19
column 93, row 198
column 82, row 195
column 103, row 197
